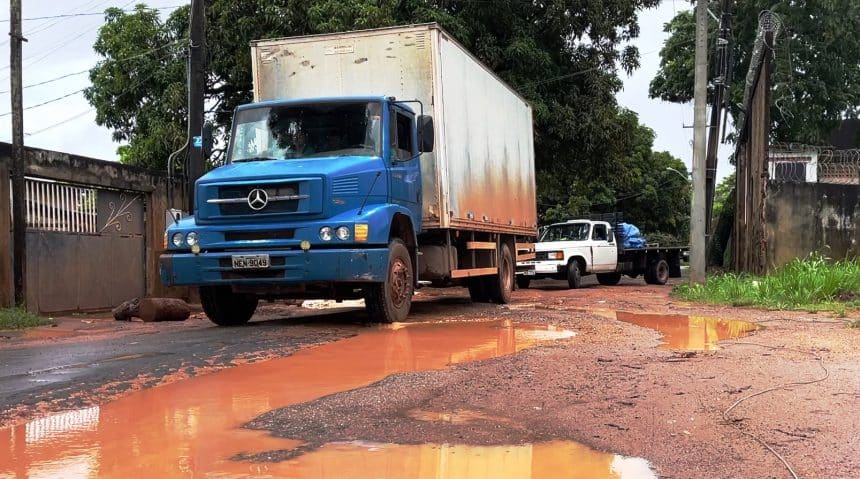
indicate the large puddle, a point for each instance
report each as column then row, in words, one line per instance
column 192, row 428
column 690, row 333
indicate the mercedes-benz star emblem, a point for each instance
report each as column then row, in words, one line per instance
column 258, row 199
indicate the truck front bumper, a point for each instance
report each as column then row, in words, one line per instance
column 546, row 268
column 286, row 267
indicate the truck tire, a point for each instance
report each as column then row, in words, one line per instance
column 478, row 290
column 501, row 286
column 390, row 301
column 523, row 282
column 657, row 273
column 226, row 308
column 609, row 279
column 574, row 277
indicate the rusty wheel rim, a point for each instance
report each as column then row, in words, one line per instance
column 399, row 282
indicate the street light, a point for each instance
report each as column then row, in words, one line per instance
column 686, row 177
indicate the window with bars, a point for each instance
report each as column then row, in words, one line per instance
column 54, row 206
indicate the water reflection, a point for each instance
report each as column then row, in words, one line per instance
column 559, row 459
column 694, row 333
column 191, row 428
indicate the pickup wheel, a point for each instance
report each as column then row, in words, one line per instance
column 502, row 284
column 609, row 279
column 226, row 308
column 657, row 273
column 390, row 301
column 523, row 282
column 574, row 276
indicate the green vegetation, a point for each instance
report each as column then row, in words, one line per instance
column 816, row 71
column 813, row 283
column 18, row 318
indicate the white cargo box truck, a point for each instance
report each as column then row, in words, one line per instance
column 369, row 164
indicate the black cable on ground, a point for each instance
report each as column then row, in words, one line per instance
column 732, row 422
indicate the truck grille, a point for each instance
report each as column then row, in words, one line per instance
column 240, row 192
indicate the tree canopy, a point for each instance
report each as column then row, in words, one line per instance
column 563, row 56
column 816, row 73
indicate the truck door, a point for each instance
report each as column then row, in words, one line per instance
column 405, row 176
column 604, row 251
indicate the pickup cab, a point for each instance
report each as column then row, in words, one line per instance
column 576, row 248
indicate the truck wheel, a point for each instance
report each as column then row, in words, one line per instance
column 574, row 277
column 502, row 284
column 658, row 272
column 609, row 279
column 226, row 308
column 523, row 282
column 478, row 290
column 390, row 301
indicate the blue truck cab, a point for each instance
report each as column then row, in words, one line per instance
column 319, row 198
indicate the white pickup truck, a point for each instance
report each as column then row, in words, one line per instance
column 576, row 248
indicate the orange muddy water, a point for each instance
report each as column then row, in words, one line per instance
column 192, row 428
column 690, row 333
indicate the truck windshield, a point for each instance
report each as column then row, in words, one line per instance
column 566, row 232
column 314, row 130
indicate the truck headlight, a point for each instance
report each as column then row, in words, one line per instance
column 326, row 233
column 556, row 255
column 342, row 233
column 177, row 239
column 191, row 239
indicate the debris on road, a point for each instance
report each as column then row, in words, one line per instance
column 153, row 310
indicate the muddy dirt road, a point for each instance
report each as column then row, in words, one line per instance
column 603, row 382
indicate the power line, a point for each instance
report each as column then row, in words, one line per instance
column 61, row 44
column 59, row 123
column 47, row 102
column 46, row 25
column 118, row 60
column 72, row 15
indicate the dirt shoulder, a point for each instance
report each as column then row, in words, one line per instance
column 611, row 388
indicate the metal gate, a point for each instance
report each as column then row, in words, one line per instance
column 85, row 246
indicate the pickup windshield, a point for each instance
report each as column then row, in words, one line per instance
column 566, row 232
column 313, row 130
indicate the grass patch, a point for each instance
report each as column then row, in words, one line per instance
column 813, row 283
column 19, row 318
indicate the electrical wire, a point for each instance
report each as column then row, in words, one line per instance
column 88, row 14
column 734, row 424
column 52, row 100
column 59, row 123
column 118, row 60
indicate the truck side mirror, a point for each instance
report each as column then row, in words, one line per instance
column 426, row 133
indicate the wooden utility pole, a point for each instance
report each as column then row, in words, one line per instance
column 196, row 85
column 19, row 219
column 698, row 211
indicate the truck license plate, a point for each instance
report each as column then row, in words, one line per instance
column 250, row 261
column 529, row 272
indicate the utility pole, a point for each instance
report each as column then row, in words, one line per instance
column 196, row 85
column 721, row 82
column 19, row 219
column 698, row 212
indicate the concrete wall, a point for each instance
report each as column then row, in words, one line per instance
column 98, row 173
column 802, row 218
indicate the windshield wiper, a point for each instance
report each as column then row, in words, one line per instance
column 253, row 158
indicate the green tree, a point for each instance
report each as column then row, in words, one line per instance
column 816, row 74
column 563, row 56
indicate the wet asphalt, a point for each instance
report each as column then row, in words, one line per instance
column 67, row 373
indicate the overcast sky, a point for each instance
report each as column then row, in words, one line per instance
column 58, row 47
